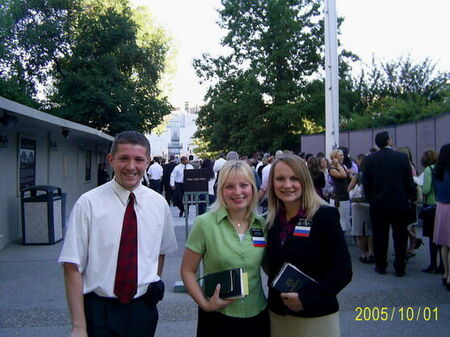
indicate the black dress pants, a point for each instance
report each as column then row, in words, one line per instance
column 216, row 324
column 107, row 317
column 382, row 221
column 178, row 196
column 155, row 185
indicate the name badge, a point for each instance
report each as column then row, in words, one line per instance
column 258, row 237
column 302, row 228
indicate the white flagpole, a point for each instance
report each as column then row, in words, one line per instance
column 331, row 79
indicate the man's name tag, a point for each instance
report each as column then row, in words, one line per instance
column 302, row 228
column 258, row 237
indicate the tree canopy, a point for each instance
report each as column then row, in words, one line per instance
column 100, row 61
column 253, row 101
column 270, row 89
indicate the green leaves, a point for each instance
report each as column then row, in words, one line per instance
column 100, row 60
column 254, row 102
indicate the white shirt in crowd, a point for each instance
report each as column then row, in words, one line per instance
column 265, row 177
column 94, row 230
column 177, row 174
column 218, row 165
column 155, row 171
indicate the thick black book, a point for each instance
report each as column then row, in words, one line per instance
column 290, row 279
column 233, row 283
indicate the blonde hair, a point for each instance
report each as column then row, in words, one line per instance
column 334, row 153
column 310, row 200
column 228, row 171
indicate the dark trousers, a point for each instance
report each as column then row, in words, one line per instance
column 155, row 185
column 168, row 193
column 382, row 220
column 178, row 196
column 216, row 324
column 107, row 317
column 202, row 206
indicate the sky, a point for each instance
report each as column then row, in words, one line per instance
column 386, row 29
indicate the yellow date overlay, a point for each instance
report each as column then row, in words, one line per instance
column 384, row 314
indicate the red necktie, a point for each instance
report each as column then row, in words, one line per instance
column 125, row 285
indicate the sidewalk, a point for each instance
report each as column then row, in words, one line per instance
column 32, row 299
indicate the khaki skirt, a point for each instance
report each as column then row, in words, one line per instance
column 291, row 326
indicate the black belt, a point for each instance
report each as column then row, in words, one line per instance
column 154, row 294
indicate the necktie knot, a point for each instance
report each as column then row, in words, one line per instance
column 131, row 198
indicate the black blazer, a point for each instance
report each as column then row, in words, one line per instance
column 387, row 180
column 323, row 256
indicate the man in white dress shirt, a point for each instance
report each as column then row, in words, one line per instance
column 177, row 182
column 155, row 173
column 91, row 254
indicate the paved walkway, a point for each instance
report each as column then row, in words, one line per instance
column 32, row 300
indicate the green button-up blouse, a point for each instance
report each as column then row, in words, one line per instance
column 214, row 237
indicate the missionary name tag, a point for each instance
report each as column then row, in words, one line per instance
column 302, row 228
column 258, row 237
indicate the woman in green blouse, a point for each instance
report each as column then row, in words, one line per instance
column 224, row 238
column 428, row 160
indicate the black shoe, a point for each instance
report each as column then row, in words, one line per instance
column 370, row 259
column 440, row 270
column 380, row 271
column 399, row 273
column 363, row 259
column 447, row 285
column 181, row 214
column 418, row 243
column 429, row 269
column 444, row 281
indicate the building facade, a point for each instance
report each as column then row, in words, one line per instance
column 37, row 148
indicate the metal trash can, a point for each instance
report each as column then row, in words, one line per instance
column 43, row 215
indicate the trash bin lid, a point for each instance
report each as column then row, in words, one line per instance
column 47, row 189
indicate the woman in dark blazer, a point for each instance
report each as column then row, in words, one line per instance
column 320, row 252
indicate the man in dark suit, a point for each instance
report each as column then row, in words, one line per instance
column 390, row 190
column 167, row 171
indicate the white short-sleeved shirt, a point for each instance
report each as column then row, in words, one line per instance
column 177, row 175
column 265, row 177
column 218, row 165
column 93, row 236
column 155, row 171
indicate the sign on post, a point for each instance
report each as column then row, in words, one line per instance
column 196, row 180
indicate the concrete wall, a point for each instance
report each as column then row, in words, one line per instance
column 430, row 133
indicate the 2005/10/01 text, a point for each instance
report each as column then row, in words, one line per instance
column 383, row 314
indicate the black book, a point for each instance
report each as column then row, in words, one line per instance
column 233, row 283
column 290, row 279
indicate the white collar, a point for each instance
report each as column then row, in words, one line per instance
column 123, row 194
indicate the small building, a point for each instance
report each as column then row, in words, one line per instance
column 37, row 148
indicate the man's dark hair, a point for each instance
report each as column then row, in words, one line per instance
column 130, row 137
column 382, row 139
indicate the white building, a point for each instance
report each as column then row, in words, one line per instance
column 177, row 137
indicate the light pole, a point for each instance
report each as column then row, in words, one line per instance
column 331, row 79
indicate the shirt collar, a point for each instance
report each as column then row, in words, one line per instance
column 123, row 194
column 222, row 214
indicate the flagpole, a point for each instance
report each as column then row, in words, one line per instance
column 331, row 79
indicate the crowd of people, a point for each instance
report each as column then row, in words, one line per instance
column 264, row 212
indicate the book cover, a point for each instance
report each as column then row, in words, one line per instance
column 233, row 283
column 290, row 279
